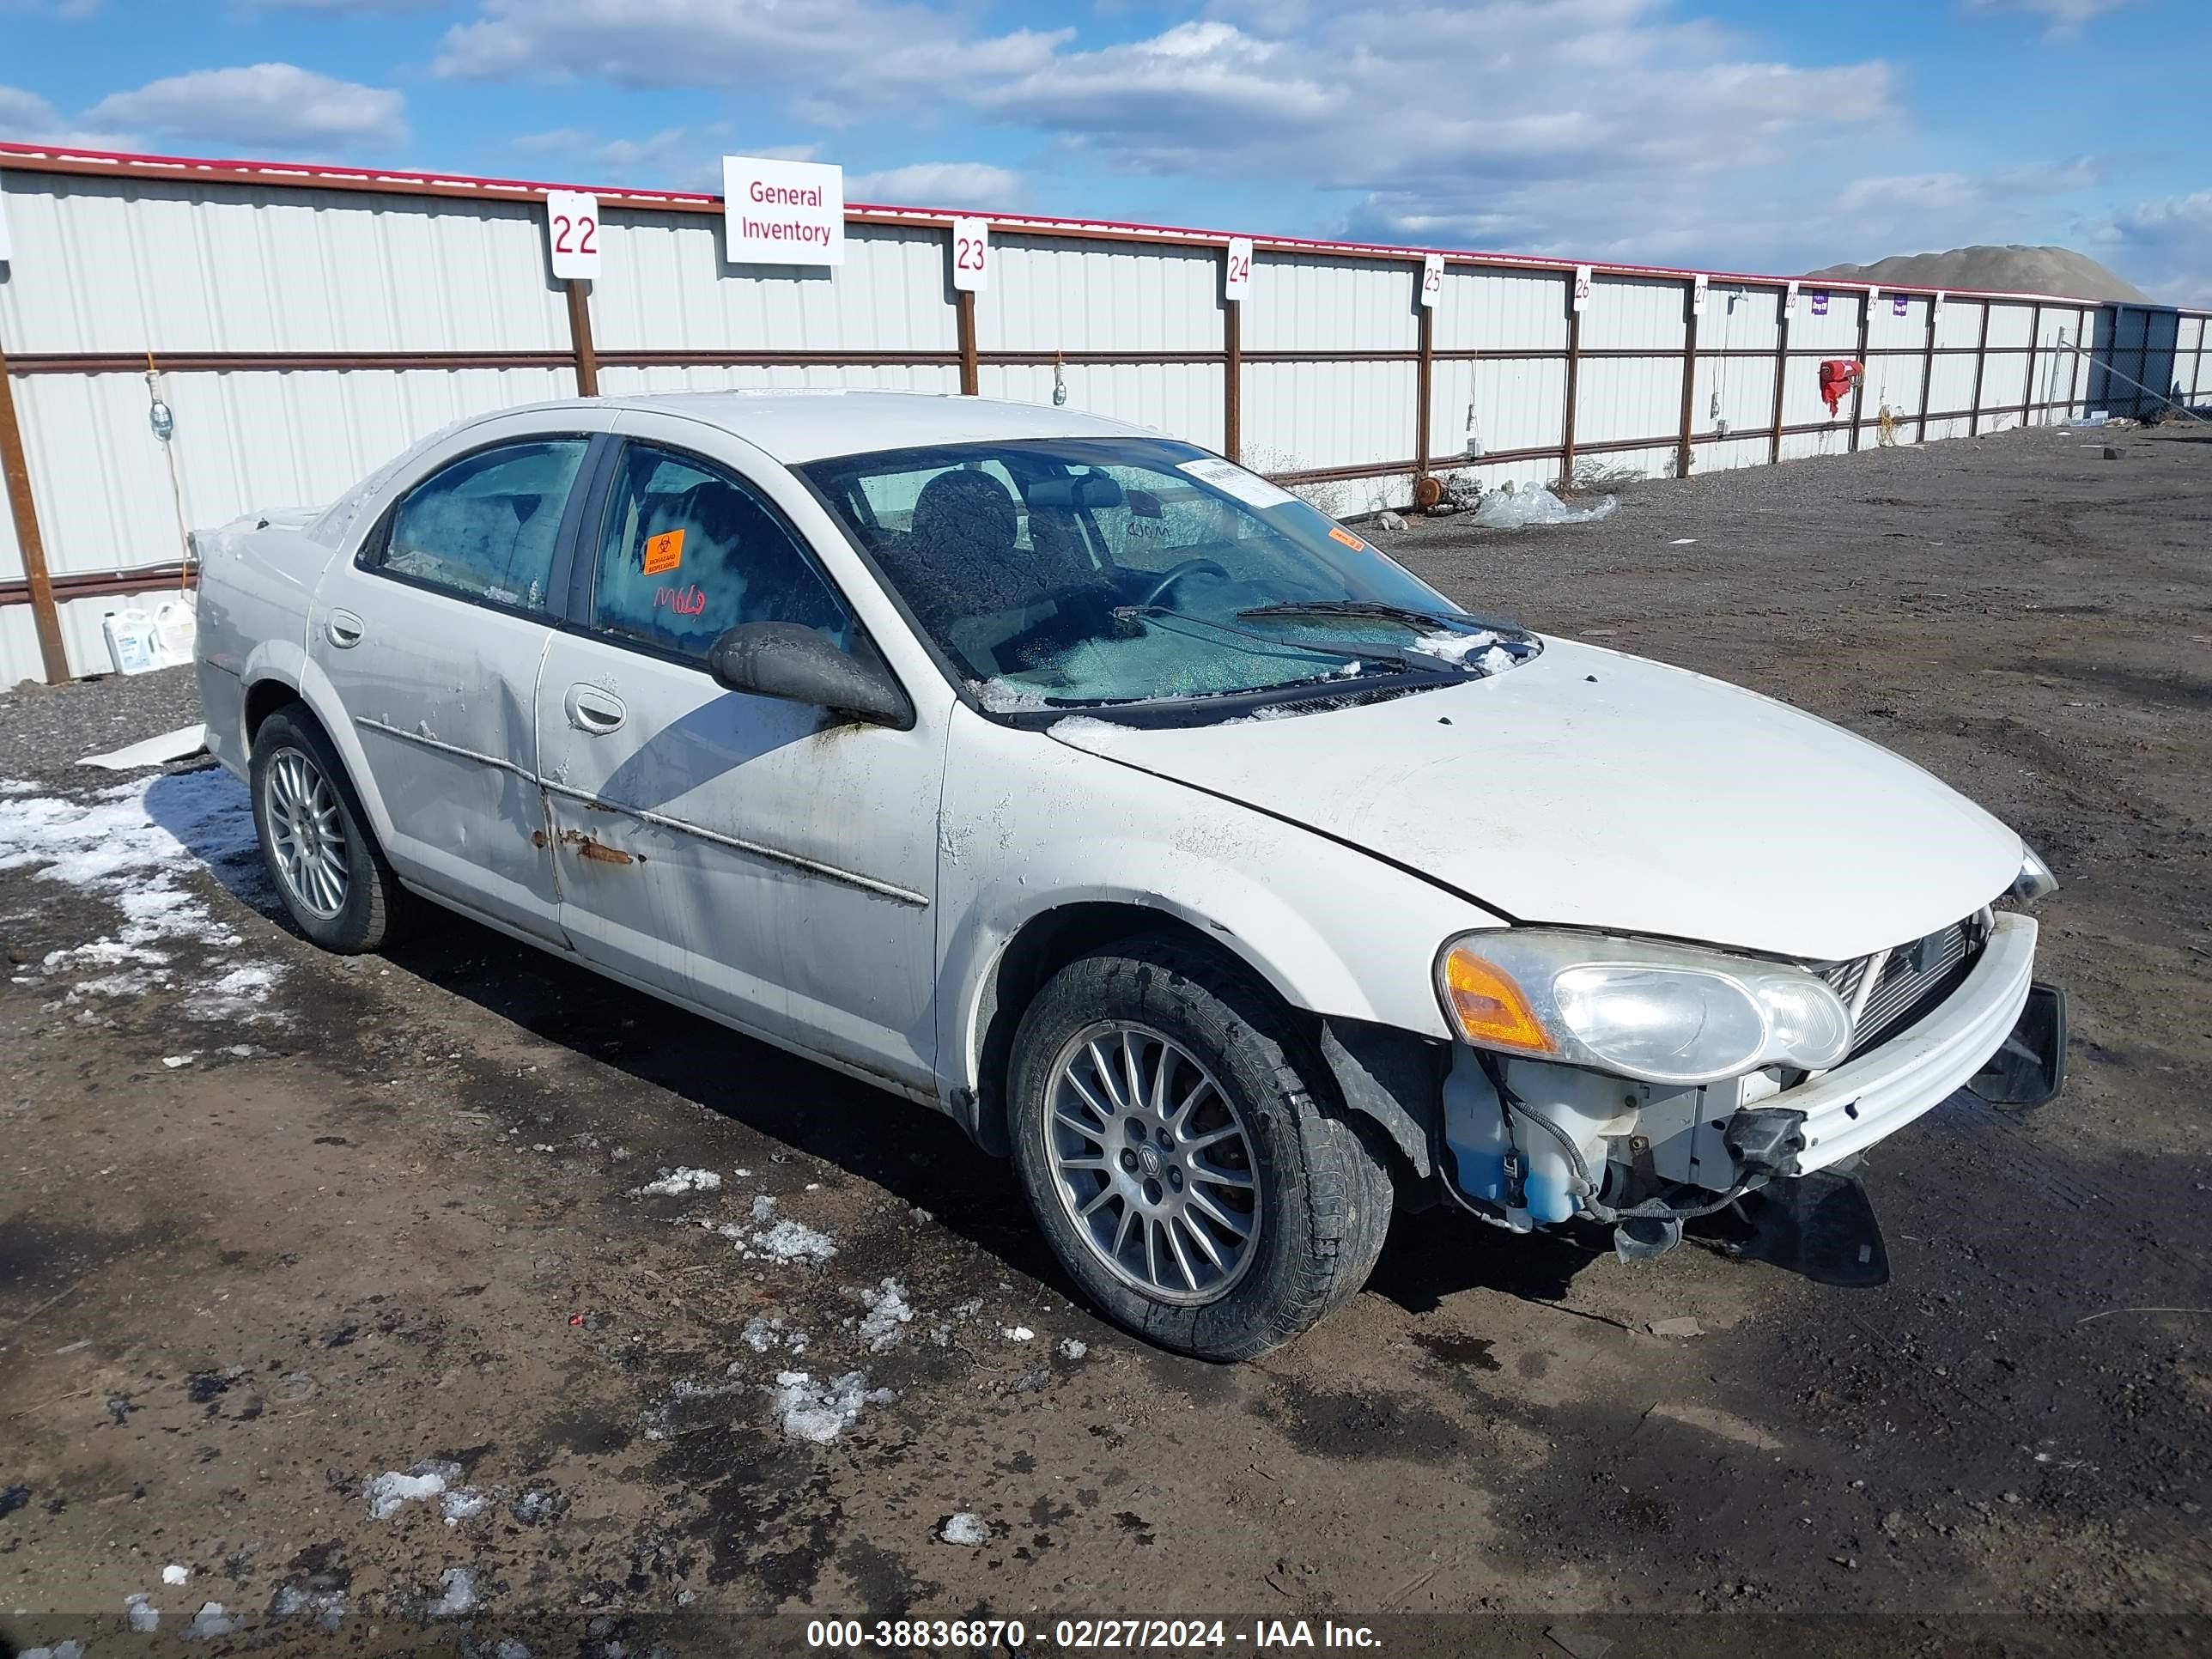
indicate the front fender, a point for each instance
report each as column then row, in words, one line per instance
column 1029, row 826
column 284, row 661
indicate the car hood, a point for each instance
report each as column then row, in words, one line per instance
column 1588, row 789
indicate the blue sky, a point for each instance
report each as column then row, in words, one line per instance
column 1756, row 134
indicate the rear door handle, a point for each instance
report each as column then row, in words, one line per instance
column 593, row 712
column 344, row 629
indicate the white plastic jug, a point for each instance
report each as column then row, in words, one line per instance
column 132, row 646
column 176, row 630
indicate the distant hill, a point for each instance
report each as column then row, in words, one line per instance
column 2059, row 272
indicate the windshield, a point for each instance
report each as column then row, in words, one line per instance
column 1072, row 572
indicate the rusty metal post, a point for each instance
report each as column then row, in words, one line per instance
column 1858, row 386
column 580, row 338
column 1782, row 320
column 1981, row 360
column 1689, row 385
column 1232, row 379
column 970, row 378
column 1927, row 371
column 1574, row 381
column 2027, row 381
column 1423, row 384
column 17, row 470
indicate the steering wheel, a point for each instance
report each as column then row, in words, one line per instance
column 1188, row 567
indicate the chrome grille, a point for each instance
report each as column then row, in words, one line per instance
column 1886, row 990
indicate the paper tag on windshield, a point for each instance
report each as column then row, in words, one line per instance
column 1246, row 487
column 1337, row 533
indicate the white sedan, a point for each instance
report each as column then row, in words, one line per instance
column 1078, row 783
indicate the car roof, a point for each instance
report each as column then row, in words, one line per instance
column 799, row 425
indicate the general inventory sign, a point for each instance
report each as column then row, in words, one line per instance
column 782, row 213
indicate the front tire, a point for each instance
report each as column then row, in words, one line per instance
column 315, row 842
column 1178, row 1159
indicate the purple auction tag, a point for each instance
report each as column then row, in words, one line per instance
column 1897, row 305
column 1820, row 305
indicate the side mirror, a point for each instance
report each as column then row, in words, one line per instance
column 784, row 659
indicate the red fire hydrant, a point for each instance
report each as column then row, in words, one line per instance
column 1838, row 376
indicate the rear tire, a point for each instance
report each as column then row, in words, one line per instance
column 1178, row 1159
column 315, row 843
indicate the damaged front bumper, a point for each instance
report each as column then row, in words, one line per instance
column 1534, row 1143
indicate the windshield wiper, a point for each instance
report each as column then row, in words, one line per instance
column 1399, row 613
column 1277, row 647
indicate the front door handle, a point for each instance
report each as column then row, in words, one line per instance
column 593, row 712
column 344, row 629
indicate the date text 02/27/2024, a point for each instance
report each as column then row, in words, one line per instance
column 1085, row 1635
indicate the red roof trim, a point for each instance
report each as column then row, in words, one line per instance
column 28, row 157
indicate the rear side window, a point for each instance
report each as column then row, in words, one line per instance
column 689, row 552
column 484, row 527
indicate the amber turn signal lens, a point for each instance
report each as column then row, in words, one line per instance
column 1488, row 1006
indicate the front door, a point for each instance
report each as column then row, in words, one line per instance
column 755, row 857
column 431, row 636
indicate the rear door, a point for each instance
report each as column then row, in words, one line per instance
column 431, row 636
column 754, row 857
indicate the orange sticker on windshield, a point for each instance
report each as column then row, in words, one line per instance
column 664, row 552
column 1337, row 533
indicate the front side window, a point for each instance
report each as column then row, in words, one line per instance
column 687, row 552
column 484, row 527
column 1074, row 572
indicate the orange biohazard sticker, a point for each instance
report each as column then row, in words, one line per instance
column 664, row 552
column 1337, row 533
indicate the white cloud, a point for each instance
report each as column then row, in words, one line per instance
column 938, row 184
column 279, row 106
column 28, row 119
column 2060, row 17
column 2164, row 248
column 836, row 60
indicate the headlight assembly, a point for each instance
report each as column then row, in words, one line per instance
column 1664, row 1013
column 2034, row 880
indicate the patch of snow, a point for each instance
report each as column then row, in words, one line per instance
column 673, row 1183
column 1455, row 645
column 173, row 1062
column 140, row 1613
column 460, row 1596
column 969, row 1309
column 175, row 1574
column 888, row 1315
column 1071, row 1349
column 764, row 1208
column 820, row 1411
column 464, row 1503
column 790, row 1241
column 1018, row 1334
column 1002, row 698
column 210, row 1622
column 17, row 786
column 387, row 1493
column 328, row 1605
column 68, row 1649
column 132, row 846
column 966, row 1528
column 763, row 1332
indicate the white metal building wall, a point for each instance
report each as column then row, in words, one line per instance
column 1132, row 327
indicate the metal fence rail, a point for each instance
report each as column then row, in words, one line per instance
column 308, row 322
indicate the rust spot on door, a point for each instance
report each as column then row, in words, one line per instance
column 597, row 851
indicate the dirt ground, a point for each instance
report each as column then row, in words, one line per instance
column 383, row 1219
